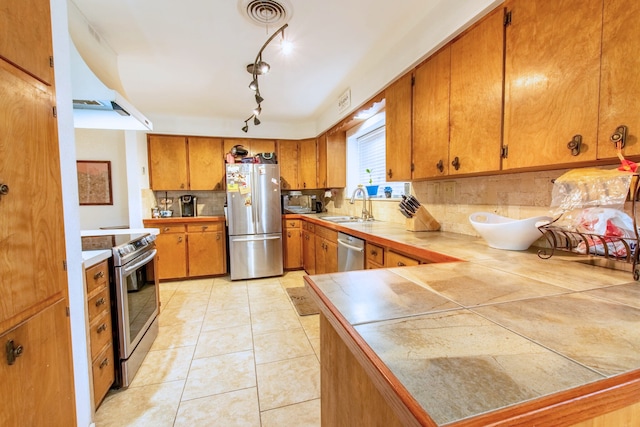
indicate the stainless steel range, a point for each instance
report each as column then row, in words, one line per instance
column 136, row 302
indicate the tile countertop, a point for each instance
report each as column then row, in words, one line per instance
column 91, row 258
column 504, row 328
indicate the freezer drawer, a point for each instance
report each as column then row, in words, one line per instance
column 255, row 256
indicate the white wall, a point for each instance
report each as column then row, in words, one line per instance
column 92, row 144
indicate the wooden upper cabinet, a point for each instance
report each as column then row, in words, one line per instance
column 431, row 116
column 26, row 40
column 475, row 121
column 206, row 163
column 398, row 109
column 168, row 162
column 336, row 163
column 321, row 146
column 253, row 146
column 552, row 73
column 307, row 164
column 288, row 161
column 620, row 77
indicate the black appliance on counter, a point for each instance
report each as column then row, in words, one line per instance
column 188, row 205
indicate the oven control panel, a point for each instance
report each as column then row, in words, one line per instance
column 135, row 245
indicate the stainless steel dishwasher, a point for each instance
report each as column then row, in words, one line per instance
column 350, row 253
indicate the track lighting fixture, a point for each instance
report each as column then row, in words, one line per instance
column 258, row 68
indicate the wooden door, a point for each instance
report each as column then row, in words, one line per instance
column 206, row 163
column 321, row 147
column 309, row 252
column 336, row 159
column 620, row 77
column 168, row 162
column 172, row 254
column 398, row 110
column 552, row 69
column 307, row 164
column 39, row 389
column 475, row 122
column 431, row 116
column 206, row 249
column 288, row 160
column 25, row 37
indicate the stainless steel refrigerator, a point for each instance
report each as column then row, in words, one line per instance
column 254, row 217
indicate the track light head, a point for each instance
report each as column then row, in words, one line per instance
column 259, row 99
column 245, row 128
column 257, row 110
column 256, row 121
column 253, row 85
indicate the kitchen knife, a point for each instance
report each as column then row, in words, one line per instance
column 404, row 212
column 411, row 210
column 415, row 201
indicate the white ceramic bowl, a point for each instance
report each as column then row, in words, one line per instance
column 506, row 233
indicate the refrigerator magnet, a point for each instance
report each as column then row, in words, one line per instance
column 232, row 186
column 261, row 170
column 247, row 200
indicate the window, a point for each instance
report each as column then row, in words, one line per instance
column 366, row 149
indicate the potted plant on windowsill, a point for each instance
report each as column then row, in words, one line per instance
column 372, row 190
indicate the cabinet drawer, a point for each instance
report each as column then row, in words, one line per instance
column 205, row 227
column 100, row 333
column 171, row 228
column 98, row 303
column 325, row 233
column 103, row 374
column 97, row 275
column 291, row 223
column 375, row 253
column 398, row 260
column 308, row 226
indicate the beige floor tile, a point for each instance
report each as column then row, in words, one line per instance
column 180, row 314
column 270, row 303
column 152, row 405
column 223, row 341
column 273, row 321
column 311, row 325
column 281, row 345
column 227, row 299
column 305, row 414
column 221, row 319
column 260, row 290
column 315, row 343
column 234, row 409
column 288, row 381
column 162, row 366
column 196, row 286
column 177, row 335
column 220, row 374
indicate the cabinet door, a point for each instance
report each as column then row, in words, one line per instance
column 206, row 163
column 398, row 107
column 168, row 162
column 26, row 37
column 321, row 147
column 309, row 252
column 307, row 164
column 262, row 146
column 206, row 248
column 320, row 253
column 552, row 73
column 32, row 228
column 172, row 255
column 336, row 153
column 39, row 384
column 288, row 161
column 431, row 116
column 477, row 59
column 620, row 77
column 292, row 248
column 330, row 257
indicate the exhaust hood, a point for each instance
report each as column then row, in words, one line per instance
column 95, row 106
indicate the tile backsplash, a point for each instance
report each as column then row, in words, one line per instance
column 210, row 203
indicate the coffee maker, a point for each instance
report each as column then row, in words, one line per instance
column 188, row 205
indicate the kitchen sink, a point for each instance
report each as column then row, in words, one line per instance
column 338, row 219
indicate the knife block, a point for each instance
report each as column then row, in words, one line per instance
column 422, row 221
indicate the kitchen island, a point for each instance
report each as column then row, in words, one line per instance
column 501, row 338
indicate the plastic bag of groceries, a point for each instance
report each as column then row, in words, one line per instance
column 609, row 226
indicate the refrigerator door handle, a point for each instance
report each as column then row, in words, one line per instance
column 254, row 238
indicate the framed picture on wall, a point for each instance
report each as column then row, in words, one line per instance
column 94, row 182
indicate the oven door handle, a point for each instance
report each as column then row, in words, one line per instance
column 138, row 264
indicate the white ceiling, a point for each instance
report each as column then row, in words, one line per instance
column 189, row 58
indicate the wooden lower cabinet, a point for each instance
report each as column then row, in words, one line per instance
column 207, row 249
column 326, row 249
column 292, row 244
column 394, row 259
column 38, row 387
column 374, row 256
column 308, row 248
column 100, row 329
column 191, row 249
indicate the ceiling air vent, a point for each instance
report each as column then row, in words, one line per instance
column 266, row 12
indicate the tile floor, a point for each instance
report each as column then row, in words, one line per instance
column 227, row 354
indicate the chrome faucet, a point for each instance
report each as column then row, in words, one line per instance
column 366, row 214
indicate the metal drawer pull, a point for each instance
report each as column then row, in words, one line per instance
column 100, row 301
column 374, row 253
column 98, row 275
column 104, row 363
column 401, row 264
column 102, row 328
column 13, row 352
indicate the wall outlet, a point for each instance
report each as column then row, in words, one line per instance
column 449, row 190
